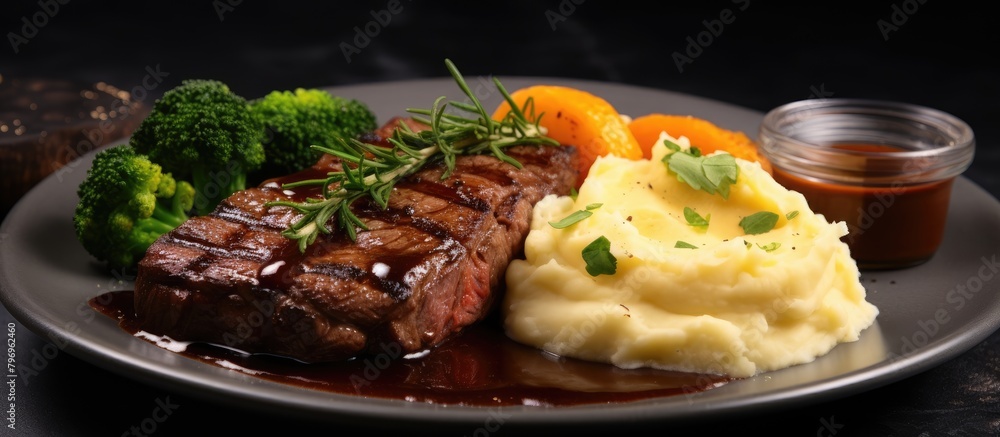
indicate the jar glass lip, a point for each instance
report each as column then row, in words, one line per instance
column 925, row 144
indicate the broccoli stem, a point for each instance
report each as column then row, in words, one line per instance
column 214, row 186
column 155, row 225
column 168, row 216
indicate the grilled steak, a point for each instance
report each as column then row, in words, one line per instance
column 429, row 265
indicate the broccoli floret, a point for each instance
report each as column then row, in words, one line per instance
column 296, row 120
column 203, row 132
column 126, row 203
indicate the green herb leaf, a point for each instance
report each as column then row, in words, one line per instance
column 791, row 215
column 573, row 194
column 571, row 219
column 575, row 217
column 713, row 174
column 695, row 219
column 721, row 169
column 774, row 245
column 684, row 245
column 688, row 169
column 759, row 223
column 598, row 257
column 672, row 145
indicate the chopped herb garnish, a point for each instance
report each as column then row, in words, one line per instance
column 571, row 219
column 695, row 219
column 759, row 223
column 774, row 245
column 684, row 245
column 598, row 257
column 713, row 174
column 791, row 215
column 573, row 194
column 575, row 217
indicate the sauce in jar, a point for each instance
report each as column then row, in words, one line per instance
column 885, row 169
column 889, row 226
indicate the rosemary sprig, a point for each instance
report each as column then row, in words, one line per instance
column 372, row 171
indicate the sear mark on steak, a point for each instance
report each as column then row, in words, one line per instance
column 429, row 265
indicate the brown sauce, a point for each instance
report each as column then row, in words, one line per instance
column 480, row 367
column 889, row 227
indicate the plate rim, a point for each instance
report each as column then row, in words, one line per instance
column 832, row 388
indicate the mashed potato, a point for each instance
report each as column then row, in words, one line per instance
column 735, row 305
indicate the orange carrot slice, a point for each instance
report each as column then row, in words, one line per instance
column 577, row 118
column 703, row 134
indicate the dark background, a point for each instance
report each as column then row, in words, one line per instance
column 939, row 54
column 940, row 50
column 935, row 53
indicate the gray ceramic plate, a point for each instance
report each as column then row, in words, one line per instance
column 929, row 314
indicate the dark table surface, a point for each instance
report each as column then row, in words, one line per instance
column 938, row 54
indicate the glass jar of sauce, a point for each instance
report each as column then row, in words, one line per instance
column 883, row 168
